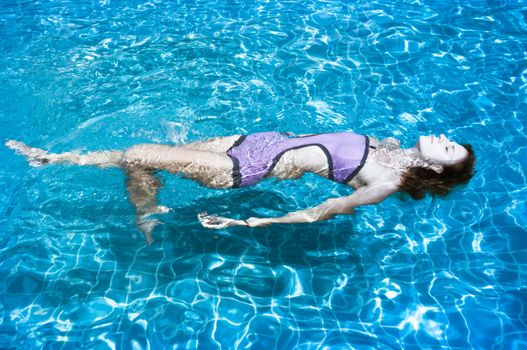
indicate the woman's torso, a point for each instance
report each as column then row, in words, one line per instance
column 342, row 157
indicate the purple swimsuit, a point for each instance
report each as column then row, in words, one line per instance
column 254, row 156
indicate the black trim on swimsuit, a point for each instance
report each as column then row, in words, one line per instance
column 236, row 174
column 362, row 162
column 322, row 147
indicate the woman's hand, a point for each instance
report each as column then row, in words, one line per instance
column 218, row 222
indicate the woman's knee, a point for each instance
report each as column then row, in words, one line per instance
column 138, row 154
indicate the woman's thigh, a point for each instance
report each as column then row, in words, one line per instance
column 212, row 169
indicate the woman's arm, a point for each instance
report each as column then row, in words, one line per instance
column 331, row 207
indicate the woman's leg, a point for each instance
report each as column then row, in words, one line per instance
column 39, row 157
column 106, row 159
column 143, row 186
column 211, row 169
column 206, row 162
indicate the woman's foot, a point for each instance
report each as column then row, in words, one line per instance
column 35, row 156
column 146, row 224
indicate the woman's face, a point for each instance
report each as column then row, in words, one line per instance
column 440, row 150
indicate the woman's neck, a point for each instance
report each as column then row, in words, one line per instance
column 399, row 159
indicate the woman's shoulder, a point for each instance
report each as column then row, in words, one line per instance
column 373, row 142
column 378, row 166
column 375, row 175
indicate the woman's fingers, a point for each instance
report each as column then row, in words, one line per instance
column 219, row 222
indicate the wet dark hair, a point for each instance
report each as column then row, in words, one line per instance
column 418, row 181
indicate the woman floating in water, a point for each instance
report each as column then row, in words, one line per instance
column 376, row 169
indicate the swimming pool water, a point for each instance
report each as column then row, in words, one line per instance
column 89, row 75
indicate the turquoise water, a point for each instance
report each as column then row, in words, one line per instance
column 88, row 75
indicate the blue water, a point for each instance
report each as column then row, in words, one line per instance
column 83, row 75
